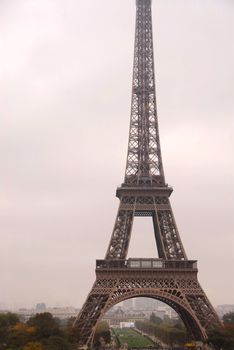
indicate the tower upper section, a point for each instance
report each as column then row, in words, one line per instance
column 144, row 161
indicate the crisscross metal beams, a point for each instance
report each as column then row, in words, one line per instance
column 172, row 278
column 144, row 160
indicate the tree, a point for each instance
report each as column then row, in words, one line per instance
column 45, row 324
column 71, row 332
column 222, row 337
column 228, row 318
column 57, row 343
column 102, row 334
column 6, row 321
column 19, row 335
column 167, row 332
column 155, row 319
column 33, row 346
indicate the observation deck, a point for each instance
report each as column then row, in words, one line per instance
column 146, row 264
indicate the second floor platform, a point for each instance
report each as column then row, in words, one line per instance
column 146, row 264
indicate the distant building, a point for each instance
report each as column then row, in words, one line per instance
column 41, row 307
column 127, row 324
column 119, row 316
column 59, row 312
column 165, row 311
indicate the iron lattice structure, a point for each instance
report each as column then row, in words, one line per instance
column 171, row 278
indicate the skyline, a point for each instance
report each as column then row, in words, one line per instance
column 56, row 169
column 49, row 307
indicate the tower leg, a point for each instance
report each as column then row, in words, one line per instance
column 120, row 238
column 90, row 314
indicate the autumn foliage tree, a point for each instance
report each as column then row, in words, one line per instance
column 36, row 334
column 45, row 325
column 20, row 334
column 6, row 321
column 43, row 332
column 35, row 345
column 223, row 337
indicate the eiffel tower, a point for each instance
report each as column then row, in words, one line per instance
column 171, row 278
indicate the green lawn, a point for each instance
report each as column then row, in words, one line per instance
column 132, row 338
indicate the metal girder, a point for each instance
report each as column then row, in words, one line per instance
column 143, row 203
column 177, row 287
column 173, row 278
column 144, row 160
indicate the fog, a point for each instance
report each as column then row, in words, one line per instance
column 65, row 92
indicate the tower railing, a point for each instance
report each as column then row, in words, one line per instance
column 143, row 263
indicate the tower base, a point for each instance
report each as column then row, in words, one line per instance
column 173, row 282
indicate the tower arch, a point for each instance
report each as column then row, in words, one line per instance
column 191, row 323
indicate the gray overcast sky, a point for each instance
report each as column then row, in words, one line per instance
column 65, row 91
